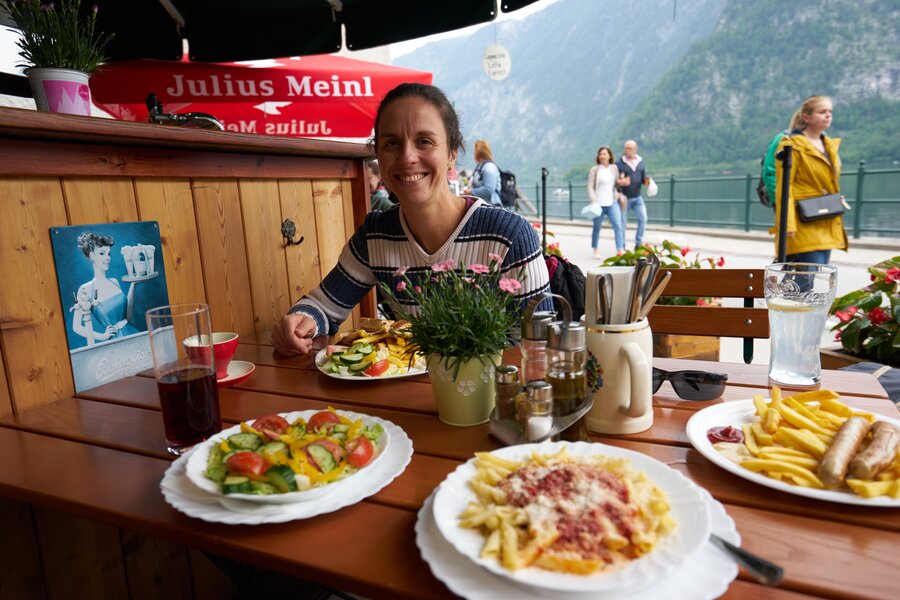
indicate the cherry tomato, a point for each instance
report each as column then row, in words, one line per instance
column 247, row 463
column 360, row 451
column 271, row 426
column 320, row 418
column 377, row 368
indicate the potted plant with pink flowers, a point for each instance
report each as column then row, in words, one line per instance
column 461, row 320
column 869, row 319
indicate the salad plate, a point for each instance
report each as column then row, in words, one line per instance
column 740, row 412
column 687, row 505
column 704, row 575
column 322, row 362
column 185, row 497
column 197, row 463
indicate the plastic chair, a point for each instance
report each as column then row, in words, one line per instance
column 745, row 322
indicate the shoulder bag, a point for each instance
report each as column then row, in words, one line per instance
column 820, row 207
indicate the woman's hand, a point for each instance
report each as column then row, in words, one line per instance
column 624, row 181
column 293, row 334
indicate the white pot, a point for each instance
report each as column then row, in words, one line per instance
column 60, row 90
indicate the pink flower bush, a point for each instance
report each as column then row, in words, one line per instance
column 401, row 286
column 844, row 316
column 510, row 285
column 877, row 316
column 892, row 275
column 443, row 267
column 479, row 268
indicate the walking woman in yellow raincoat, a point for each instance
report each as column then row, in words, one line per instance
column 816, row 171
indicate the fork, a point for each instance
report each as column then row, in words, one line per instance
column 759, row 568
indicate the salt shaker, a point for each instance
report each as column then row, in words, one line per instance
column 507, row 391
column 566, row 360
column 539, row 409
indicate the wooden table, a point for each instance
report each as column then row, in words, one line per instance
column 101, row 455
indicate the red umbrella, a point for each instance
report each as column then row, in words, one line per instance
column 321, row 96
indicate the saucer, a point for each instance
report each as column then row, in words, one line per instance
column 238, row 371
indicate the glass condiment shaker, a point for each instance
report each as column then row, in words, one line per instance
column 538, row 410
column 566, row 360
column 534, row 345
column 507, row 392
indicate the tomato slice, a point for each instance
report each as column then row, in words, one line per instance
column 321, row 418
column 377, row 368
column 247, row 463
column 271, row 426
column 360, row 451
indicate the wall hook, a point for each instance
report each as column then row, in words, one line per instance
column 288, row 231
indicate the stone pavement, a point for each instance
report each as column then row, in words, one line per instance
column 740, row 249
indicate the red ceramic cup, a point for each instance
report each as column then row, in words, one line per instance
column 224, row 346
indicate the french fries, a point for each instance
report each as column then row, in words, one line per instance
column 793, row 434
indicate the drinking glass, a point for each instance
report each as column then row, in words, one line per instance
column 798, row 296
column 184, row 365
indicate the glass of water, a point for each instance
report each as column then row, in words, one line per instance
column 798, row 296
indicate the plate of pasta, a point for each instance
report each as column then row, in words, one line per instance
column 572, row 517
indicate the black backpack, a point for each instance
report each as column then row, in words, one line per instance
column 508, row 192
column 761, row 192
column 567, row 281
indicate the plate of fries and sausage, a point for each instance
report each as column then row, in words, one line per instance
column 810, row 444
column 380, row 349
column 572, row 517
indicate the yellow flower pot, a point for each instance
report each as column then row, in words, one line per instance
column 469, row 398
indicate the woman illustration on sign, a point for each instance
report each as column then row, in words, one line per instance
column 102, row 310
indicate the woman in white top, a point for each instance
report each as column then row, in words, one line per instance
column 602, row 193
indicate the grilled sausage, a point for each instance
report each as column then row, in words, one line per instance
column 833, row 466
column 880, row 453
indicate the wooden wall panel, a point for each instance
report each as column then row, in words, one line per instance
column 31, row 322
column 107, row 200
column 220, row 227
column 332, row 231
column 355, row 213
column 155, row 568
column 302, row 261
column 209, row 582
column 21, row 565
column 6, row 407
column 81, row 558
column 169, row 201
column 261, row 210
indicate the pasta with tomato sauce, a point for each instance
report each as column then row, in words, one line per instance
column 565, row 513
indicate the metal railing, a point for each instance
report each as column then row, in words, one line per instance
column 731, row 203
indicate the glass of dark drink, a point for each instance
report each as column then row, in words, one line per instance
column 183, row 361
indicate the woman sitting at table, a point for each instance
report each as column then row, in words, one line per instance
column 417, row 139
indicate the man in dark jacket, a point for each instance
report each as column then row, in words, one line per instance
column 631, row 177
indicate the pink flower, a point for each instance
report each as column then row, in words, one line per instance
column 401, row 286
column 721, row 262
column 877, row 316
column 837, row 336
column 845, row 315
column 495, row 257
column 872, row 277
column 468, row 279
column 510, row 285
column 418, row 289
column 401, row 271
column 553, row 246
column 702, row 302
column 685, row 250
column 447, row 265
column 892, row 275
column 479, row 268
column 536, row 225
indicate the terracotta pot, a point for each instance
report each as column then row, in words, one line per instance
column 60, row 90
column 467, row 399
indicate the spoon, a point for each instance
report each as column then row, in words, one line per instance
column 760, row 569
column 634, row 299
column 655, row 293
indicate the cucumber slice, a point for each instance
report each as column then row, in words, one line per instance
column 261, row 488
column 215, row 464
column 322, row 457
column 351, row 358
column 282, row 478
column 363, row 349
column 245, row 441
column 360, row 366
column 236, row 484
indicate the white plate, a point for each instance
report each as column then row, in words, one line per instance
column 688, row 509
column 187, row 498
column 196, row 465
column 740, row 412
column 321, row 359
column 705, row 575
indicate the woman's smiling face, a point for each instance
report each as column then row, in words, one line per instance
column 100, row 257
column 413, row 151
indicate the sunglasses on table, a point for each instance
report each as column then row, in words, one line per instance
column 691, row 385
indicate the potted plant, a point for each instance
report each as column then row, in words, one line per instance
column 61, row 48
column 869, row 319
column 461, row 320
column 673, row 256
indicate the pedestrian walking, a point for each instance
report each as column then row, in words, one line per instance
column 632, row 175
column 602, row 180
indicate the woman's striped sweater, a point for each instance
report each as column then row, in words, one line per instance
column 383, row 243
